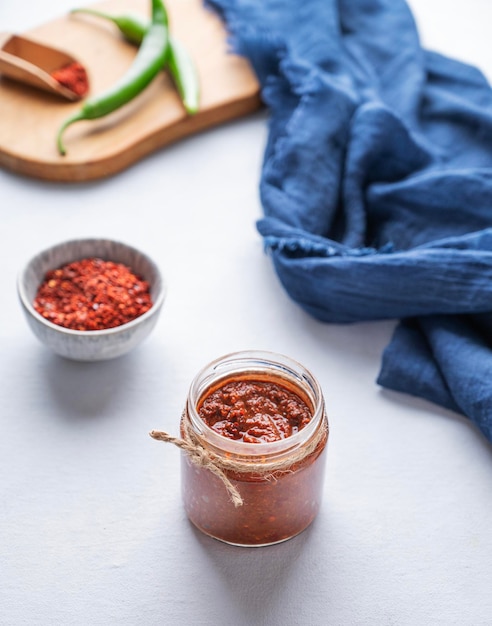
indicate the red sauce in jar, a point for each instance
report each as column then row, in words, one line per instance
column 254, row 411
column 277, row 505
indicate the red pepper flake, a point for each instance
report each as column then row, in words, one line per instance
column 72, row 76
column 92, row 294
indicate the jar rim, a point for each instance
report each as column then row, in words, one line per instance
column 256, row 361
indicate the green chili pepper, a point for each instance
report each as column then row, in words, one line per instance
column 183, row 72
column 180, row 64
column 149, row 60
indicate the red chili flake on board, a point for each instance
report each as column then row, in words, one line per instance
column 72, row 76
column 92, row 294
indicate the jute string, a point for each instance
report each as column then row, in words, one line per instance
column 206, row 459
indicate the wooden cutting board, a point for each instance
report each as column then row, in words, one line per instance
column 30, row 118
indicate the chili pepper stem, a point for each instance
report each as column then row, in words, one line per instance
column 59, row 139
column 89, row 12
column 132, row 27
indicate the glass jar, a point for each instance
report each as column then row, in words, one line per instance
column 279, row 483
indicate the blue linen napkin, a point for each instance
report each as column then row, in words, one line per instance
column 377, row 185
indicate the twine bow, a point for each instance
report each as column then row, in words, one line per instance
column 202, row 458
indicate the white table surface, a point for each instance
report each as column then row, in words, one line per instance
column 92, row 529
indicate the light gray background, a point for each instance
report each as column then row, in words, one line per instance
column 92, row 531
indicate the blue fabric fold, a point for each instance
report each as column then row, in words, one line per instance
column 376, row 185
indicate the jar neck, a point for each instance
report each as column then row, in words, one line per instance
column 256, row 365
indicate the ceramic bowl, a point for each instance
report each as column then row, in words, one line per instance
column 94, row 345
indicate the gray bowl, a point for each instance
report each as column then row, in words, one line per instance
column 93, row 345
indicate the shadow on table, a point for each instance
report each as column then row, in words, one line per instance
column 84, row 389
column 423, row 409
column 260, row 581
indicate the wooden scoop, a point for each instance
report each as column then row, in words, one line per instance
column 29, row 62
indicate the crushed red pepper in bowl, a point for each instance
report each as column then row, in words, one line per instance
column 91, row 299
column 92, row 294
